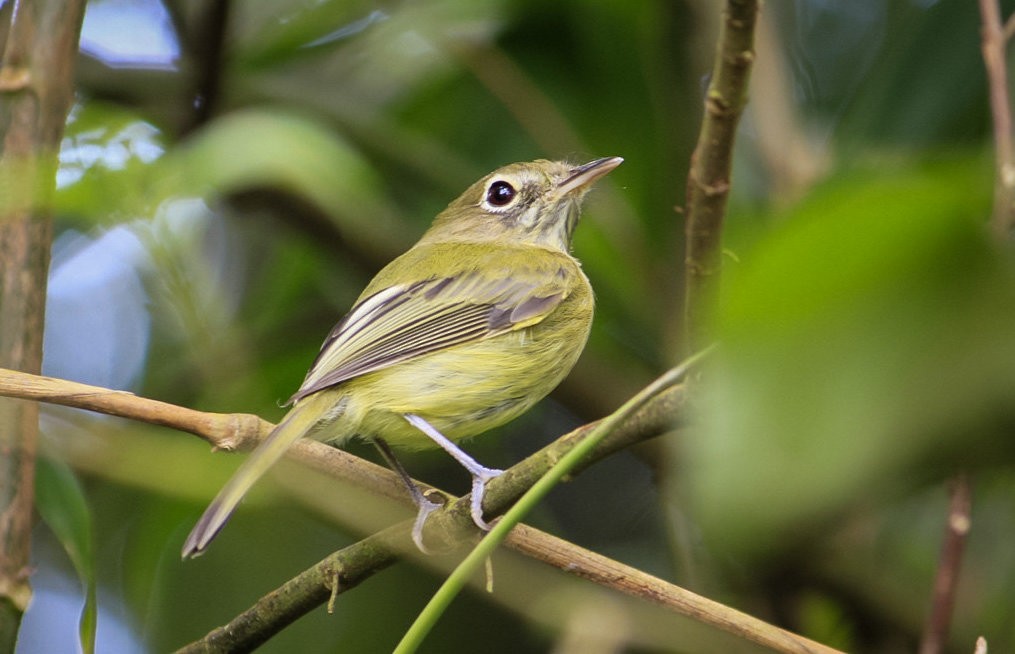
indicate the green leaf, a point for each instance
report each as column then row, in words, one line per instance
column 106, row 158
column 264, row 148
column 61, row 503
column 865, row 346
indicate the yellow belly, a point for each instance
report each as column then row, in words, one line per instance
column 462, row 391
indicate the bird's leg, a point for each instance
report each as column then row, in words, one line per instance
column 425, row 506
column 480, row 474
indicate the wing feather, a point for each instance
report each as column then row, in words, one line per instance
column 405, row 321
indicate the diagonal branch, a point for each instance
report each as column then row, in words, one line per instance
column 352, row 565
column 347, row 568
column 241, row 431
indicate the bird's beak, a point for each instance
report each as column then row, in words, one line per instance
column 582, row 177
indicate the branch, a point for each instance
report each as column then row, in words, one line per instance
column 339, row 572
column 793, row 162
column 240, row 431
column 946, row 583
column 36, row 88
column 566, row 465
column 347, row 568
column 225, row 431
column 208, row 51
column 355, row 563
column 993, row 46
column 228, row 431
column 708, row 181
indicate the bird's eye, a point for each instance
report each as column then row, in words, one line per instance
column 500, row 193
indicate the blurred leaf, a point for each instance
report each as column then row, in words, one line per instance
column 875, row 71
column 364, row 58
column 301, row 30
column 265, row 148
column 823, row 620
column 869, row 333
column 61, row 503
column 105, row 171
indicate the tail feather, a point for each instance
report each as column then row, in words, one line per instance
column 295, row 424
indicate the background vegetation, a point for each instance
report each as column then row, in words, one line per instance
column 233, row 173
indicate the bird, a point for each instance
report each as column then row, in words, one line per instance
column 479, row 320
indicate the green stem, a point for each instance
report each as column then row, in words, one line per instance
column 467, row 568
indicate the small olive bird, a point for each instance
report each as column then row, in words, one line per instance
column 478, row 321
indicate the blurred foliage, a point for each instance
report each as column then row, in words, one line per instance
column 62, row 505
column 281, row 152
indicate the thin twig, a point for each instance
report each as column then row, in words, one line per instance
column 708, row 181
column 793, row 161
column 935, row 634
column 227, row 431
column 1009, row 28
column 208, row 51
column 993, row 46
column 338, row 573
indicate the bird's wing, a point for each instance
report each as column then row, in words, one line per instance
column 404, row 321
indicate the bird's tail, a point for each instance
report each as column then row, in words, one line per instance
column 295, row 424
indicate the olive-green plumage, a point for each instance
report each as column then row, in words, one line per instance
column 482, row 318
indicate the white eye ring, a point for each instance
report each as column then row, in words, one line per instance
column 499, row 195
